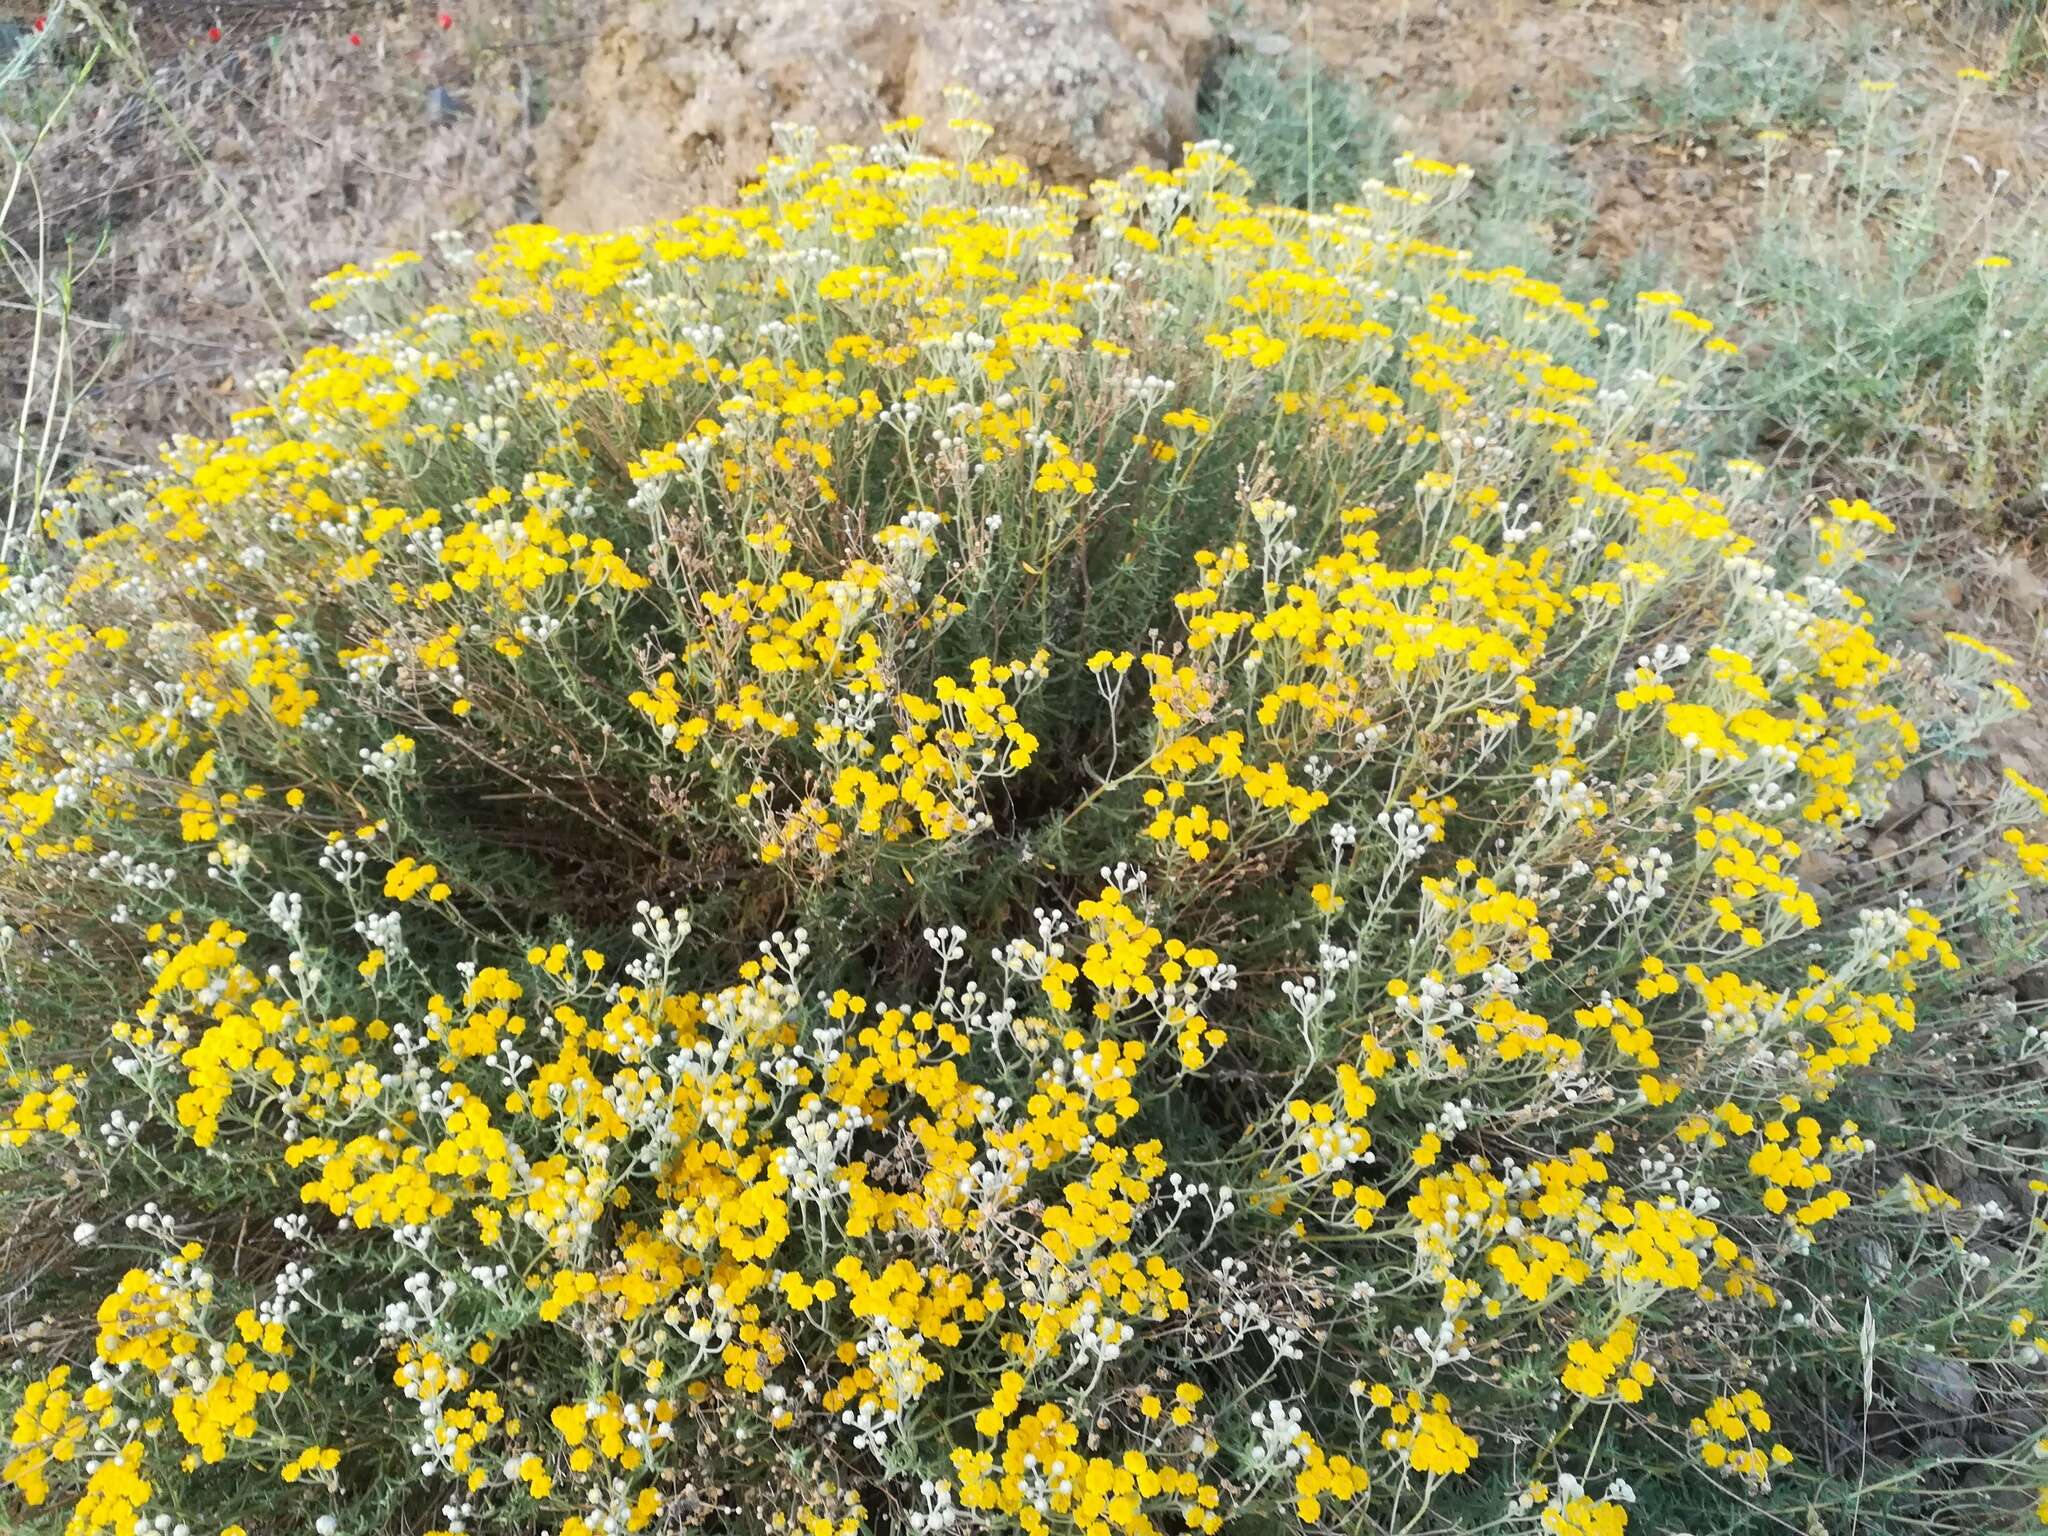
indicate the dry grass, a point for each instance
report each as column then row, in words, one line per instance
column 169, row 198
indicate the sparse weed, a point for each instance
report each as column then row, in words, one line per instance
column 1747, row 73
column 1900, row 327
column 1306, row 137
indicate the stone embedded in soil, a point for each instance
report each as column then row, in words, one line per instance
column 1908, row 794
column 1817, row 869
column 1928, row 870
column 677, row 100
column 1933, row 1381
column 1932, row 823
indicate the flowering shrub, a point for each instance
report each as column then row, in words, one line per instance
column 932, row 854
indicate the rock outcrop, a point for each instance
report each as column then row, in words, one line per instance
column 677, row 101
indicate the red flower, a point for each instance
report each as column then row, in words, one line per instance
column 213, row 34
column 41, row 22
column 355, row 39
column 445, row 20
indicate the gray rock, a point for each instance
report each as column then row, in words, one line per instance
column 1908, row 794
column 1929, row 869
column 1932, row 823
column 1817, row 870
column 1936, row 1382
column 1944, row 1448
column 1077, row 88
column 1948, row 1169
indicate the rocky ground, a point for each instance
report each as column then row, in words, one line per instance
column 673, row 100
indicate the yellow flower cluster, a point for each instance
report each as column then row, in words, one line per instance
column 1730, row 1436
column 1593, row 1368
column 936, row 853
